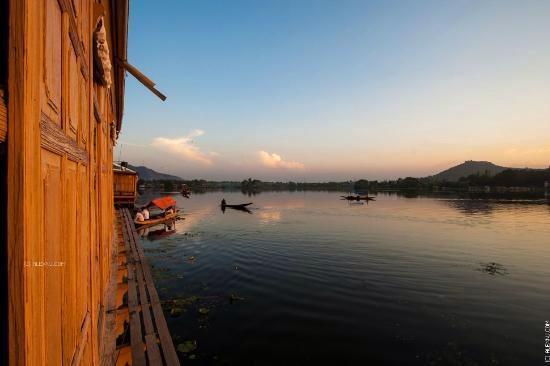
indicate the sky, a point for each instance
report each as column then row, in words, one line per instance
column 336, row 90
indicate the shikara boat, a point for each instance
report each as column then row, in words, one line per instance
column 157, row 220
column 358, row 198
column 239, row 207
column 163, row 204
column 242, row 205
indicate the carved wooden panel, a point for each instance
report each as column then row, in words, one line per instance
column 84, row 109
column 53, row 239
column 85, row 29
column 53, row 139
column 71, row 325
column 73, row 102
column 83, row 254
column 53, row 40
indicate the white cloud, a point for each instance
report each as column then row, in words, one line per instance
column 275, row 161
column 184, row 147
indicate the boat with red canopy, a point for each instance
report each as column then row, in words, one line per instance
column 167, row 206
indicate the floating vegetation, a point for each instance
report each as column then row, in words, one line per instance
column 493, row 268
column 234, row 298
column 160, row 273
column 175, row 311
column 187, row 346
column 154, row 250
column 191, row 258
column 177, row 306
column 179, row 302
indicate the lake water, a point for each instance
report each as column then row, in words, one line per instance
column 307, row 278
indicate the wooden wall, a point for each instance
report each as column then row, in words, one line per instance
column 60, row 197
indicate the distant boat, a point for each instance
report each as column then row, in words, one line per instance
column 185, row 191
column 358, row 198
column 242, row 205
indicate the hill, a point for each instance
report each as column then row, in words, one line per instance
column 466, row 169
column 150, row 174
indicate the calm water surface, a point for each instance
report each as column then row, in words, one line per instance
column 307, row 279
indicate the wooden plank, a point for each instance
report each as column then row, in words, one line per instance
column 165, row 338
column 153, row 353
column 136, row 343
column 166, row 343
column 107, row 351
column 136, row 339
column 129, row 230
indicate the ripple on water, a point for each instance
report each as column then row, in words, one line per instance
column 398, row 281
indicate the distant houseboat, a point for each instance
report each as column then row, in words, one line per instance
column 124, row 185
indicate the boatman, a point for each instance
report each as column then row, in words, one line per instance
column 145, row 213
column 140, row 217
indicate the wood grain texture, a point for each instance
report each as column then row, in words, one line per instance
column 3, row 115
column 59, row 183
column 53, row 139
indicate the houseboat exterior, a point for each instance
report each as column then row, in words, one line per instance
column 62, row 70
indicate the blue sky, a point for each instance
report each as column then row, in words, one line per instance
column 319, row 90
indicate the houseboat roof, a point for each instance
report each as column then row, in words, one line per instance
column 120, row 11
column 117, row 168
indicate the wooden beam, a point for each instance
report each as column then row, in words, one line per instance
column 149, row 84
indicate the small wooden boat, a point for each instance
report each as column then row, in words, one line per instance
column 156, row 220
column 166, row 204
column 185, row 192
column 242, row 205
column 358, row 198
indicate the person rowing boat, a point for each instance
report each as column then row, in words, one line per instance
column 358, row 198
column 241, row 207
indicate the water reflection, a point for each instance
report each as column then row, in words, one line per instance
column 422, row 279
column 268, row 215
column 472, row 207
column 158, row 232
column 236, row 208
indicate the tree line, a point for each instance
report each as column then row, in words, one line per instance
column 533, row 178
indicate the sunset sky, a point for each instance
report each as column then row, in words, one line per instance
column 336, row 90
